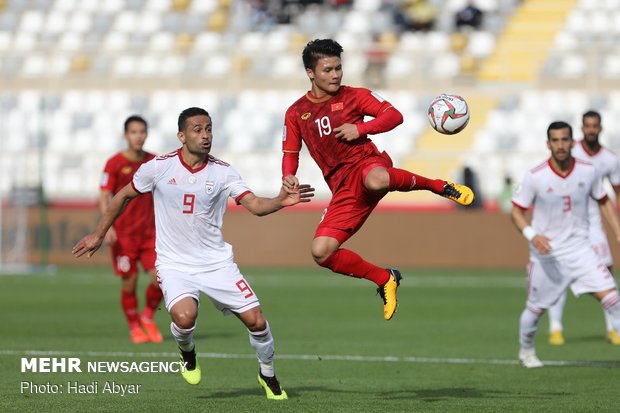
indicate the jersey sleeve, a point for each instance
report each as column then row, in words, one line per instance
column 614, row 175
column 524, row 193
column 144, row 178
column 291, row 135
column 598, row 191
column 236, row 187
column 386, row 117
column 108, row 177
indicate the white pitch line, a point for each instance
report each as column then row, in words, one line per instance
column 308, row 357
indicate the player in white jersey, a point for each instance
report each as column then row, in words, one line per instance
column 190, row 190
column 607, row 164
column 561, row 254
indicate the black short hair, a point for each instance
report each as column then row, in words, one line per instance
column 188, row 113
column 559, row 125
column 135, row 118
column 318, row 48
column 591, row 114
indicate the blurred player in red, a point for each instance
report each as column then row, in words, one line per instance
column 329, row 119
column 132, row 238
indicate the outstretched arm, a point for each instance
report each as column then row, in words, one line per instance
column 386, row 120
column 91, row 242
column 264, row 206
column 540, row 242
column 105, row 197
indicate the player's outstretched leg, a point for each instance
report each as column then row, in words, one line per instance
column 458, row 193
column 191, row 372
column 387, row 292
column 272, row 387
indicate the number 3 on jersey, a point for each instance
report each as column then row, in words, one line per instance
column 188, row 203
column 567, row 206
column 324, row 125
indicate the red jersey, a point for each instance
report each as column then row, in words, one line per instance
column 312, row 120
column 138, row 217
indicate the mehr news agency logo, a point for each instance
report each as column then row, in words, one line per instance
column 75, row 365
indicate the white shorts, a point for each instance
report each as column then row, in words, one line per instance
column 226, row 287
column 599, row 241
column 549, row 277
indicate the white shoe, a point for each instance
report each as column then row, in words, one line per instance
column 528, row 358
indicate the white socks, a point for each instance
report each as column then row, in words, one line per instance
column 555, row 313
column 611, row 304
column 183, row 336
column 528, row 325
column 263, row 343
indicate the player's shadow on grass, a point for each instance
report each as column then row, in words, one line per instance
column 434, row 395
column 295, row 392
column 587, row 339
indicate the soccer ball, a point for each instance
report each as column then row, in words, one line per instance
column 448, row 114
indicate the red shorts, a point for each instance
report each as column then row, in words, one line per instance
column 127, row 251
column 351, row 203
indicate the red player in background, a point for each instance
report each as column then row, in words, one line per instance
column 132, row 238
column 329, row 119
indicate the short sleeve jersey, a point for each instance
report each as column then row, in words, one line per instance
column 560, row 203
column 607, row 164
column 189, row 210
column 138, row 216
column 312, row 121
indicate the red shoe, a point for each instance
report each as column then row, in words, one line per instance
column 138, row 336
column 151, row 330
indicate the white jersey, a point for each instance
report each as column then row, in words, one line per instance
column 607, row 165
column 560, row 204
column 189, row 210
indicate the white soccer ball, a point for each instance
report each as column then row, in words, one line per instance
column 448, row 114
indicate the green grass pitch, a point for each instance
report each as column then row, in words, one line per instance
column 451, row 347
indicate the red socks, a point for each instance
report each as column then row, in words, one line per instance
column 347, row 262
column 405, row 181
column 129, row 302
column 153, row 297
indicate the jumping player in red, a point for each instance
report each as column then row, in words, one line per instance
column 329, row 119
column 132, row 238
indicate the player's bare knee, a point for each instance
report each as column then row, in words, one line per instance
column 320, row 252
column 257, row 324
column 253, row 319
column 184, row 318
column 377, row 182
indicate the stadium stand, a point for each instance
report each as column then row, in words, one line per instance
column 74, row 70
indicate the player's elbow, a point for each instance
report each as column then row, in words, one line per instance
column 398, row 117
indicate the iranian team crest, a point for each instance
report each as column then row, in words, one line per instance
column 209, row 186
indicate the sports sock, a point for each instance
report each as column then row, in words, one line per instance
column 608, row 325
column 263, row 343
column 347, row 262
column 611, row 304
column 129, row 303
column 153, row 296
column 555, row 313
column 528, row 325
column 183, row 336
column 405, row 181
